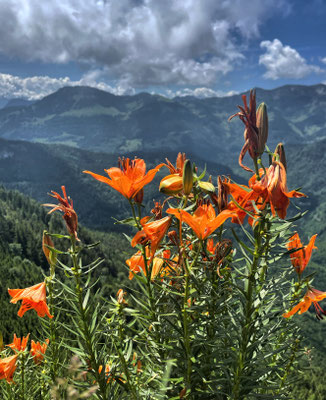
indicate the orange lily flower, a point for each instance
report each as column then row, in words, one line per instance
column 204, row 221
column 152, row 232
column 136, row 264
column 38, row 350
column 300, row 258
column 66, row 206
column 8, row 367
column 244, row 196
column 33, row 297
column 313, row 296
column 130, row 178
column 272, row 187
column 18, row 343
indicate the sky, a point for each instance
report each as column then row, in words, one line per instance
column 202, row 48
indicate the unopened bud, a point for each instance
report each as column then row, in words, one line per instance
column 187, row 178
column 262, row 126
column 139, row 196
column 207, row 187
column 280, row 154
column 171, row 184
column 49, row 254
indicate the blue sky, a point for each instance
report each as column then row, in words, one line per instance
column 172, row 47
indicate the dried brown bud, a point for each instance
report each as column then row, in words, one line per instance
column 223, row 193
column 183, row 393
column 157, row 210
column 173, row 236
column 222, row 250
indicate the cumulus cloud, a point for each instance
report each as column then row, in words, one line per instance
column 201, row 92
column 323, row 60
column 284, row 62
column 36, row 87
column 137, row 42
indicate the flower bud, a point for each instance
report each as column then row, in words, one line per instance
column 207, row 187
column 171, row 184
column 49, row 254
column 139, row 196
column 187, row 178
column 279, row 154
column 262, row 126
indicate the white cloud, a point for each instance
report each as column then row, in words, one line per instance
column 36, row 87
column 137, row 42
column 284, row 62
column 323, row 60
column 201, row 92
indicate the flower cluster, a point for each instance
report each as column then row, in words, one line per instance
column 8, row 365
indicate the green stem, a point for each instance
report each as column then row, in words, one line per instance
column 186, row 336
column 249, row 316
column 137, row 220
column 265, row 252
column 100, row 379
column 256, row 169
column 22, row 363
column 294, row 350
column 53, row 328
column 118, row 347
column 126, row 371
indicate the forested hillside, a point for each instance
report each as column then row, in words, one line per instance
column 22, row 262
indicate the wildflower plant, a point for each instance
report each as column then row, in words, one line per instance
column 214, row 271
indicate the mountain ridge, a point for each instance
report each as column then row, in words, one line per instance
column 89, row 118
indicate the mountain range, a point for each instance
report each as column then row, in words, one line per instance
column 96, row 120
column 94, row 127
